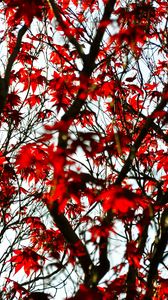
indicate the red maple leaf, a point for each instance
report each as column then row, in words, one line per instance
column 118, row 199
column 28, row 259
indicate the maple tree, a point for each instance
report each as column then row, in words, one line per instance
column 83, row 158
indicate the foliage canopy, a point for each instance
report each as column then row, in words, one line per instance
column 83, row 157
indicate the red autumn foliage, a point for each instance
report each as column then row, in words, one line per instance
column 26, row 258
column 83, row 150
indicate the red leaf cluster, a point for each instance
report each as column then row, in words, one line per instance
column 28, row 259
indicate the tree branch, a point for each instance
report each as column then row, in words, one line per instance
column 144, row 131
column 131, row 278
column 154, row 126
column 4, row 82
column 72, row 112
column 158, row 253
column 132, row 271
column 89, row 64
column 15, row 52
column 65, row 28
column 72, row 239
column 95, row 47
